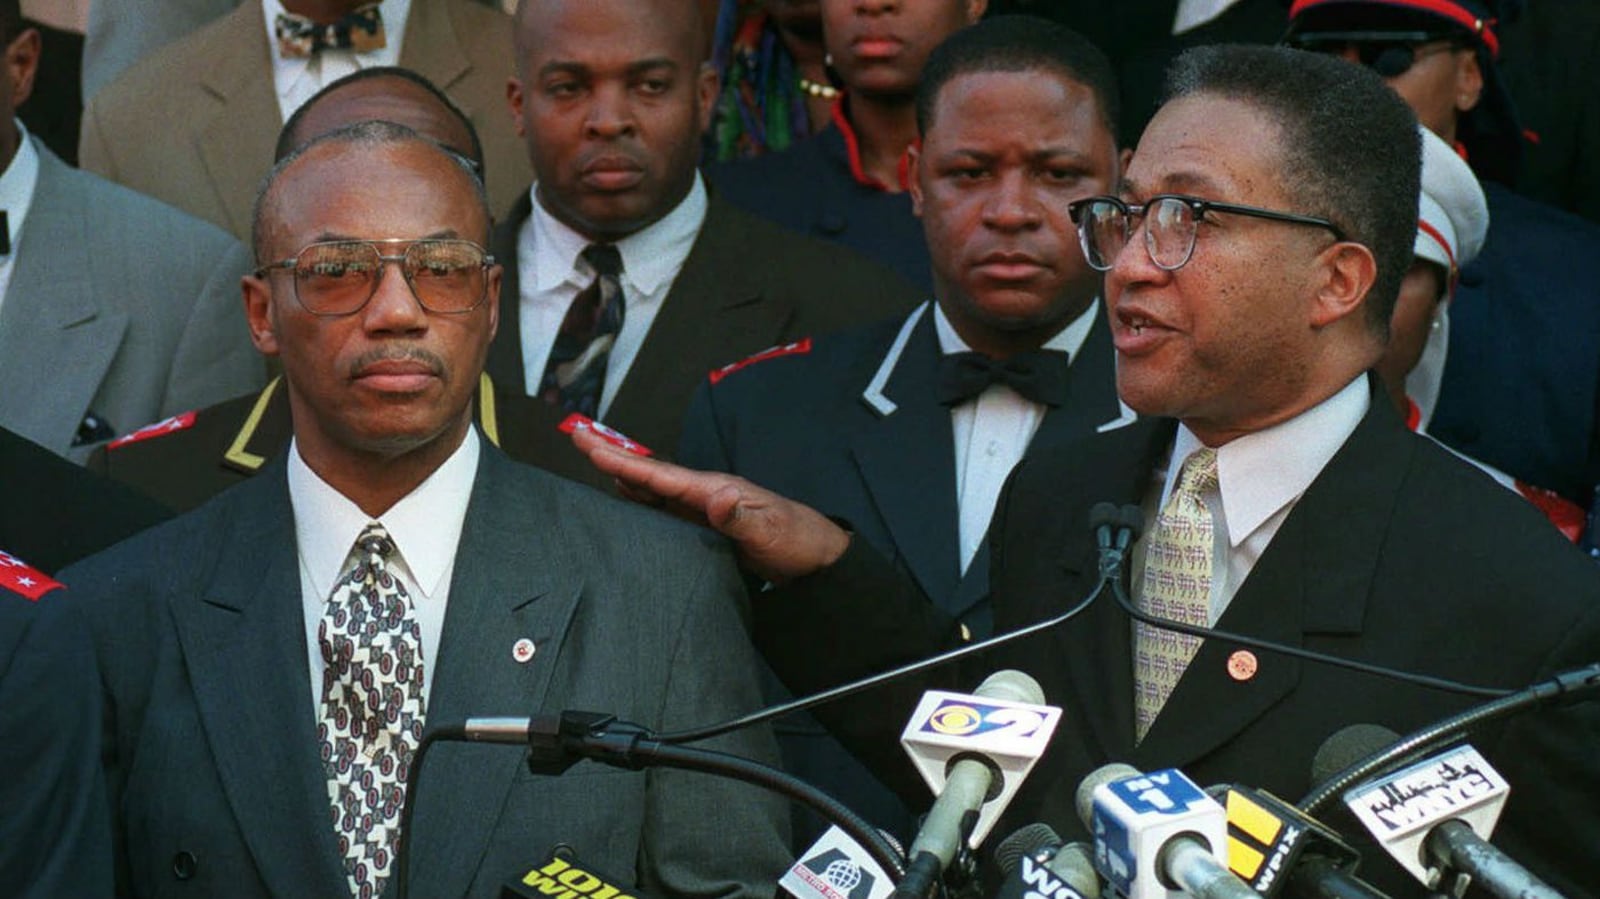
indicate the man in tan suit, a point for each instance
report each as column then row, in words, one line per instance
column 194, row 125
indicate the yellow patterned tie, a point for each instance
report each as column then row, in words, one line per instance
column 1176, row 586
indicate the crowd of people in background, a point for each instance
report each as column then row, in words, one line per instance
column 358, row 361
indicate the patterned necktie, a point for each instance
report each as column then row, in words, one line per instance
column 360, row 30
column 1176, row 586
column 575, row 376
column 372, row 708
column 1039, row 376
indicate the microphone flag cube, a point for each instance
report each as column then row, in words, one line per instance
column 1133, row 818
column 836, row 867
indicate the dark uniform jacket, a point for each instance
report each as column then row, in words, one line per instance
column 187, row 459
column 1398, row 554
column 746, row 285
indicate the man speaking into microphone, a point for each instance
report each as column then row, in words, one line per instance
column 1253, row 254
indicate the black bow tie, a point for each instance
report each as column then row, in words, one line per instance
column 1040, row 376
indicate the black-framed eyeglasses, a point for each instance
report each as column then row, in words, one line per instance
column 1389, row 53
column 338, row 277
column 1171, row 221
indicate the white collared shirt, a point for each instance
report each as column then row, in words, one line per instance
column 297, row 80
column 551, row 274
column 1260, row 477
column 425, row 526
column 1192, row 14
column 16, row 196
column 993, row 429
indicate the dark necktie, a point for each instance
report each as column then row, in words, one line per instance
column 298, row 37
column 576, row 373
column 1039, row 375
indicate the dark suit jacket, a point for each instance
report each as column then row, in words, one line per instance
column 211, row 745
column 854, row 428
column 1398, row 554
column 747, row 285
column 809, row 189
column 187, row 459
column 1521, row 382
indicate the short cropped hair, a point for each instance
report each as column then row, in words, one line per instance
column 1349, row 146
column 365, row 134
column 288, row 140
column 1019, row 43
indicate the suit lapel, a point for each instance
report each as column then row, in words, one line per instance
column 906, row 459
column 1314, row 578
column 713, row 304
column 432, row 48
column 51, row 313
column 245, row 637
column 236, row 142
column 506, row 587
column 505, row 351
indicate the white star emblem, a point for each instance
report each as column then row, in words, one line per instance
column 26, row 581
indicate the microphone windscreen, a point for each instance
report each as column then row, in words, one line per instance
column 1029, row 840
column 1012, row 685
column 1102, row 775
column 1104, row 515
column 1348, row 746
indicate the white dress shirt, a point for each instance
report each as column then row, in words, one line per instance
column 425, row 526
column 1192, row 14
column 298, row 80
column 16, row 195
column 551, row 274
column 992, row 431
column 1260, row 477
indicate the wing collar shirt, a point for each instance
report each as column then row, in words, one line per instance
column 425, row 526
column 993, row 430
column 16, row 195
column 1260, row 477
column 552, row 274
column 298, row 80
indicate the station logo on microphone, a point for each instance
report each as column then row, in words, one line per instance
column 835, row 867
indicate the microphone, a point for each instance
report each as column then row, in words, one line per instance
column 1036, row 865
column 1158, row 835
column 1274, row 847
column 835, row 867
column 974, row 751
column 564, row 876
column 1434, row 818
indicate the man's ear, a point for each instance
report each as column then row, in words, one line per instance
column 1348, row 271
column 914, row 173
column 1469, row 81
column 707, row 83
column 22, row 63
column 514, row 103
column 258, row 313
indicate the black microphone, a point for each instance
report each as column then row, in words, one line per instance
column 1036, row 864
column 1279, row 850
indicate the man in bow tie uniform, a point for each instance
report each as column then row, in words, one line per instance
column 907, row 428
column 115, row 310
column 231, row 640
column 194, row 124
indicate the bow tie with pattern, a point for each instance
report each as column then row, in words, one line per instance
column 360, row 30
column 1040, row 376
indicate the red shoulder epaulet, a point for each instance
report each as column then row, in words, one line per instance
column 579, row 422
column 165, row 426
column 798, row 348
column 23, row 580
column 1566, row 515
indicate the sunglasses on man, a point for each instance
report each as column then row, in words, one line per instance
column 1389, row 53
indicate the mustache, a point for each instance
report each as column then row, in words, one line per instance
column 405, row 353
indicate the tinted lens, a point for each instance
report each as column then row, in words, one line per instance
column 1389, row 60
column 335, row 278
column 1102, row 230
column 446, row 275
column 1169, row 232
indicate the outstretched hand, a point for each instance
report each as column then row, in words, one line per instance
column 776, row 538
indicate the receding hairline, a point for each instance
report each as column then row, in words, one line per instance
column 689, row 19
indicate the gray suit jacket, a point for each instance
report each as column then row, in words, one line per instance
column 118, row 306
column 211, row 741
column 195, row 124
